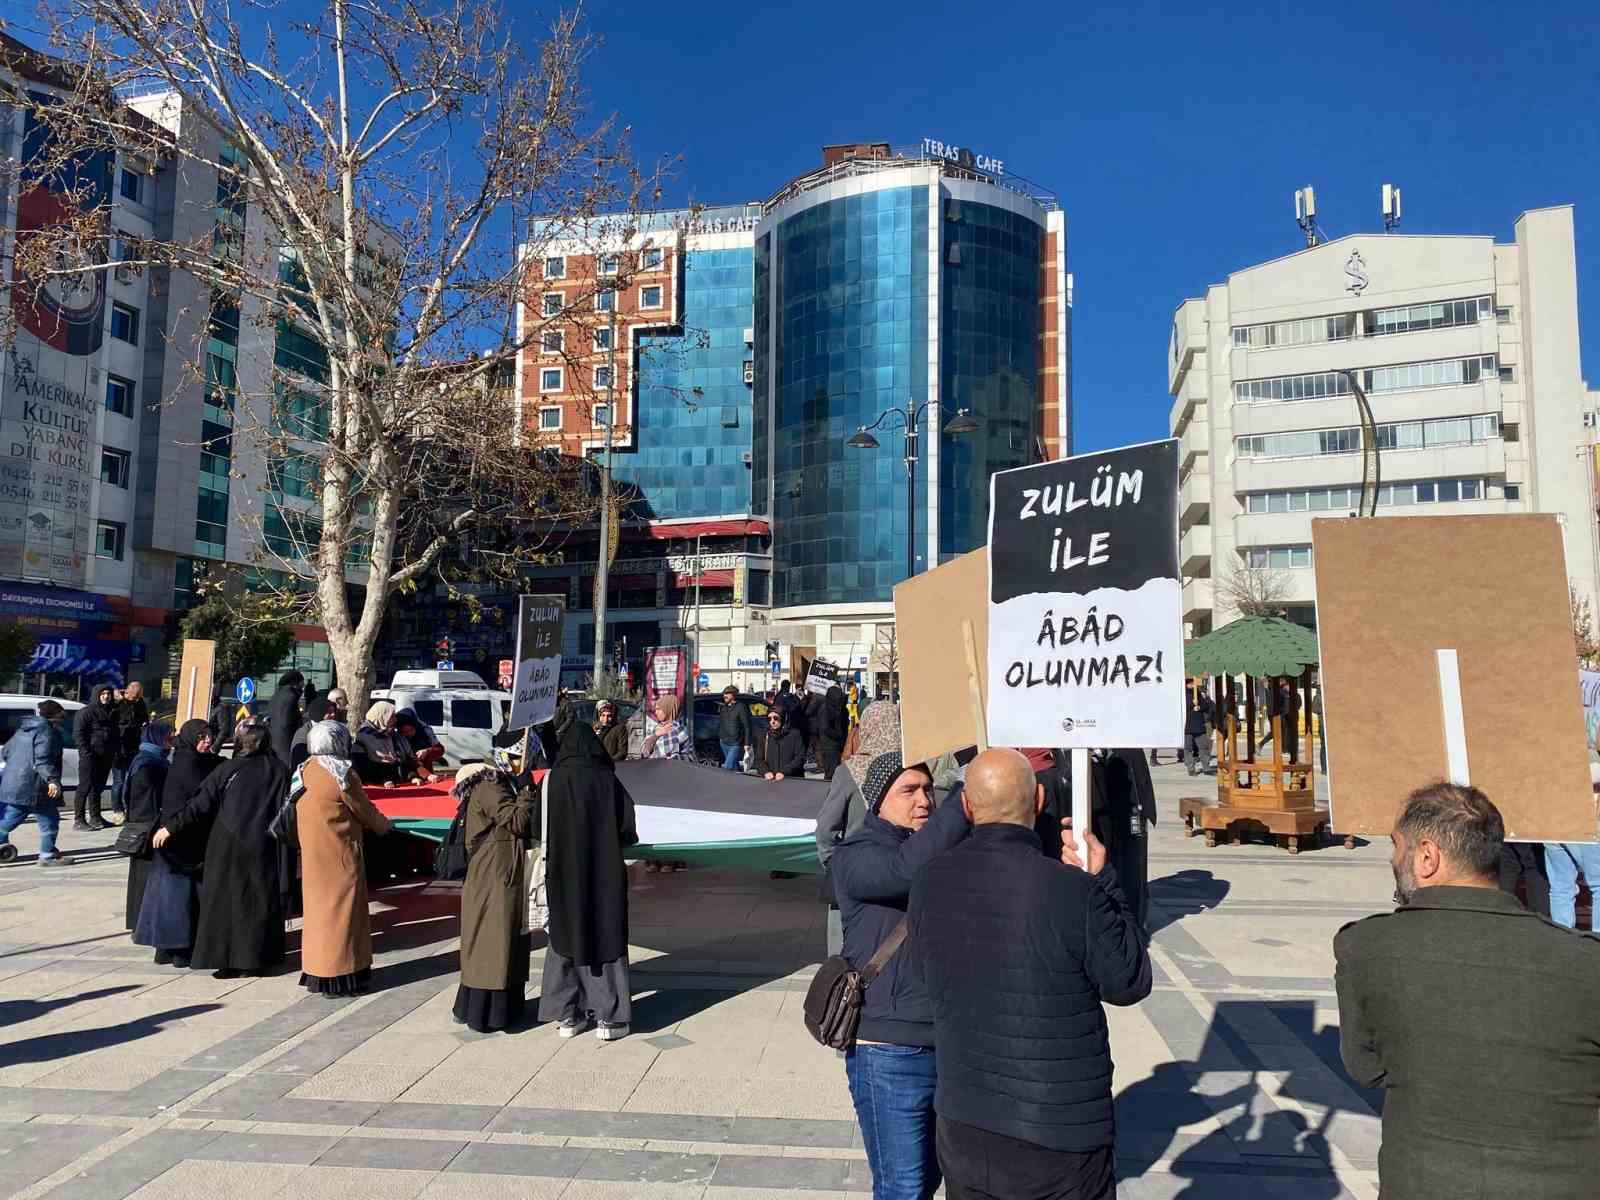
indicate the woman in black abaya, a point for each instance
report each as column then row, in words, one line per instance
column 590, row 821
column 241, row 901
column 171, row 907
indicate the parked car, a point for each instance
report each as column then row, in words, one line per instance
column 15, row 709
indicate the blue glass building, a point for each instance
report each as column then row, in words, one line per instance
column 878, row 283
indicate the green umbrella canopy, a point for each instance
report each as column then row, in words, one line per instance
column 1252, row 646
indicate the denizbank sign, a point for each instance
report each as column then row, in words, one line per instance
column 964, row 157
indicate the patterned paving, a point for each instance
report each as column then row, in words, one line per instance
column 120, row 1078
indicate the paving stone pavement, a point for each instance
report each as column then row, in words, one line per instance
column 120, row 1078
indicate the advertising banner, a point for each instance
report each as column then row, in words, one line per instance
column 666, row 673
column 49, row 395
column 1085, row 645
column 536, row 685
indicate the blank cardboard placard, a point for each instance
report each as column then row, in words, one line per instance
column 1391, row 593
column 936, row 716
column 194, row 680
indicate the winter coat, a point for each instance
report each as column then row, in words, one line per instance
column 95, row 730
column 147, row 775
column 33, row 761
column 336, row 935
column 784, row 753
column 132, row 716
column 841, row 815
column 1123, row 805
column 185, row 851
column 241, row 904
column 591, row 820
column 494, row 898
column 283, row 718
column 1198, row 719
column 833, row 721
column 733, row 723
column 1019, row 953
column 615, row 741
column 872, row 870
column 381, row 756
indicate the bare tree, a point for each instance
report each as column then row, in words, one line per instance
column 1253, row 591
column 1583, row 634
column 399, row 151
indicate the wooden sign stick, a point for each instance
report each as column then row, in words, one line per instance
column 975, row 687
column 1082, row 781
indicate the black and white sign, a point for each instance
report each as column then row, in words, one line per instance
column 1085, row 603
column 537, row 684
column 822, row 676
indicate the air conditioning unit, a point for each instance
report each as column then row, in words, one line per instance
column 749, row 371
column 749, row 336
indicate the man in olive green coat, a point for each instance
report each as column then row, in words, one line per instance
column 1479, row 1019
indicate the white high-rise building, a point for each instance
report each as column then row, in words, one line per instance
column 1468, row 353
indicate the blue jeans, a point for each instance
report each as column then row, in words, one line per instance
column 47, row 819
column 119, row 778
column 892, row 1088
column 1562, row 862
column 732, row 756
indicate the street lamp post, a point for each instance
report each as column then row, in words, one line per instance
column 910, row 420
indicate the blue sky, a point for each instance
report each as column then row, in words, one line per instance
column 1175, row 134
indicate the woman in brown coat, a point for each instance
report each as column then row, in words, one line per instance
column 330, row 815
column 494, row 901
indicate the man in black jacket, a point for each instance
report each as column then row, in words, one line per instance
column 1018, row 952
column 96, row 735
column 733, row 729
column 284, row 716
column 783, row 753
column 1197, row 723
column 891, row 1068
column 132, row 716
column 1475, row 1016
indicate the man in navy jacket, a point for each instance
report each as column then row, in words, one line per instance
column 891, row 1068
column 1018, row 951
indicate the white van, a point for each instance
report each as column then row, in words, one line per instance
column 463, row 711
column 15, row 709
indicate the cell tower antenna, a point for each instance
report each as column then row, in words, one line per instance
column 1391, row 208
column 1305, row 213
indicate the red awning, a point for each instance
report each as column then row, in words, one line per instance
column 689, row 529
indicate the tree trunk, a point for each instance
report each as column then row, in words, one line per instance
column 352, row 660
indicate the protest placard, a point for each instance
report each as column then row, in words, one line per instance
column 1085, row 645
column 822, row 676
column 536, row 685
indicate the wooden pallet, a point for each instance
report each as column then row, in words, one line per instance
column 1297, row 826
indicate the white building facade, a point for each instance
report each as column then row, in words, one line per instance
column 1468, row 352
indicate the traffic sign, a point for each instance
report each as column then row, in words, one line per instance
column 777, row 668
column 245, row 690
column 445, row 664
column 703, row 683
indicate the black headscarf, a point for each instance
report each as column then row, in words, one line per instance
column 835, row 699
column 591, row 820
column 189, row 770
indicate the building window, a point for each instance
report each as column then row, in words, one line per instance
column 551, row 379
column 602, row 338
column 602, row 415
column 602, row 379
column 1348, row 498
column 1503, row 315
column 552, row 341
column 552, row 304
column 119, row 395
column 652, row 258
column 1508, row 375
column 110, row 539
column 1513, row 491
column 605, row 301
column 1443, row 314
column 1278, row 558
column 608, row 264
column 1403, row 435
column 114, row 466
column 549, row 418
column 1404, row 377
column 1336, row 328
column 125, row 323
column 650, row 297
column 131, row 185
column 555, row 267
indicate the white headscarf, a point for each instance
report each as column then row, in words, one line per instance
column 328, row 743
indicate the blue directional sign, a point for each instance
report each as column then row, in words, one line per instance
column 777, row 668
column 245, row 690
column 703, row 683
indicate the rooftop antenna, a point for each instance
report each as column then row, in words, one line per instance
column 1305, row 213
column 1391, row 208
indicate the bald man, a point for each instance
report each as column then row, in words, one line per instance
column 1018, row 952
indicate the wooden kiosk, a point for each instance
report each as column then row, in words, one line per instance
column 1263, row 786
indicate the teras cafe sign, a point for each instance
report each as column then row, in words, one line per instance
column 963, row 157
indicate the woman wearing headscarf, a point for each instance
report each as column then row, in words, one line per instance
column 330, row 815
column 845, row 806
column 590, row 821
column 669, row 738
column 833, row 729
column 141, row 796
column 170, row 911
column 379, row 754
column 495, row 947
column 241, row 900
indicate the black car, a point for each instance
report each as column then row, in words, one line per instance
column 707, row 745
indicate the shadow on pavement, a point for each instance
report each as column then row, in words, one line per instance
column 14, row 1012
column 48, row 1047
column 1157, row 1117
column 1184, row 894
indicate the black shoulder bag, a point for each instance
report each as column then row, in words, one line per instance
column 838, row 990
